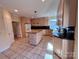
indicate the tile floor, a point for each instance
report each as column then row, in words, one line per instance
column 21, row 49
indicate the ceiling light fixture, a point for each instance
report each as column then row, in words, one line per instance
column 43, row 0
column 15, row 10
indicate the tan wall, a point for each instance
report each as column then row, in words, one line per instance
column 40, row 21
column 23, row 22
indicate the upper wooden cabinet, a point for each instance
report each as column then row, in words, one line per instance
column 42, row 21
column 67, row 12
column 72, row 12
column 60, row 12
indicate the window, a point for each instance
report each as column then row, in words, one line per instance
column 53, row 26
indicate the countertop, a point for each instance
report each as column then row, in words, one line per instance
column 34, row 31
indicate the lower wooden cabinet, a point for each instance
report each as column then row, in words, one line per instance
column 63, row 48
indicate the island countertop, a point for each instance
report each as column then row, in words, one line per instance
column 35, row 36
column 34, row 31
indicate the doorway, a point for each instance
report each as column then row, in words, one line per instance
column 16, row 29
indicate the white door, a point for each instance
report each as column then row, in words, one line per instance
column 8, row 25
column 4, row 37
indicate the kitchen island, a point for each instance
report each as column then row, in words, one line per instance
column 35, row 36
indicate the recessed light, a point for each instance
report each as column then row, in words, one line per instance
column 43, row 0
column 15, row 10
column 35, row 11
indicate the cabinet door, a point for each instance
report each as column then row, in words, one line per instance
column 57, row 45
column 60, row 13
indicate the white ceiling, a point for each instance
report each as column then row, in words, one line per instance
column 27, row 7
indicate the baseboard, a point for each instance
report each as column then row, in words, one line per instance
column 3, row 49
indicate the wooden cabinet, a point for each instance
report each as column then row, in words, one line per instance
column 63, row 48
column 43, row 21
column 60, row 13
column 57, row 42
column 69, row 12
column 48, row 32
